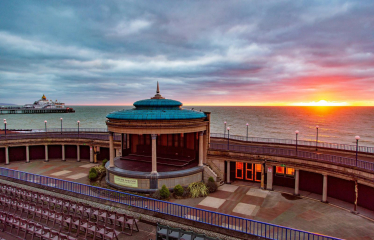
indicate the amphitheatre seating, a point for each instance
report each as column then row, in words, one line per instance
column 37, row 214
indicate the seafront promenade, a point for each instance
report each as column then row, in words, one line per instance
column 262, row 205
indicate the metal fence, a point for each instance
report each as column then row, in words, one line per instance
column 38, row 135
column 293, row 153
column 337, row 146
column 256, row 228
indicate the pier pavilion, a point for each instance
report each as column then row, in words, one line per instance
column 161, row 144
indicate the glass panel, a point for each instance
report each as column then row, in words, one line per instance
column 258, row 168
column 249, row 171
column 279, row 170
column 239, row 170
column 290, row 171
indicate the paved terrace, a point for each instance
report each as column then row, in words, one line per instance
column 240, row 199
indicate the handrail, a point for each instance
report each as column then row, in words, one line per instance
column 248, row 226
column 338, row 146
column 293, row 153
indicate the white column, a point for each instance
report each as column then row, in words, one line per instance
column 201, row 148
column 91, row 154
column 324, row 190
column 6, row 155
column 27, row 154
column 297, row 180
column 46, row 153
column 111, row 150
column 228, row 172
column 154, row 154
column 269, row 176
column 63, row 153
column 78, row 154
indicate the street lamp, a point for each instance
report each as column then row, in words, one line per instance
column 61, row 125
column 357, row 138
column 224, row 130
column 317, row 138
column 45, row 125
column 228, row 138
column 247, row 131
column 297, row 133
column 78, row 126
column 5, row 127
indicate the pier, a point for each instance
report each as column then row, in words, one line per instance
column 19, row 110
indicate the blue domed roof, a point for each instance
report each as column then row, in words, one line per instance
column 156, row 108
column 157, row 103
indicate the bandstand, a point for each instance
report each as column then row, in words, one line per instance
column 161, row 144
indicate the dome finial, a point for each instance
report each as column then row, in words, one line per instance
column 158, row 95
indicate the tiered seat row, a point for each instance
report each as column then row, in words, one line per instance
column 42, row 211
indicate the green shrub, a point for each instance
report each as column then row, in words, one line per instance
column 178, row 190
column 164, row 192
column 211, row 179
column 99, row 170
column 198, row 189
column 104, row 162
column 92, row 176
column 93, row 170
column 212, row 186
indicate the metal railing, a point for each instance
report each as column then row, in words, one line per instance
column 255, row 228
column 338, row 146
column 293, row 153
column 38, row 135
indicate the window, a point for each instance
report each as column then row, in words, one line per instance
column 290, row 171
column 279, row 170
column 239, row 170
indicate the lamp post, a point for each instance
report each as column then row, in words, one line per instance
column 5, row 127
column 297, row 133
column 357, row 138
column 45, row 125
column 228, row 138
column 224, row 130
column 61, row 125
column 78, row 126
column 317, row 138
column 247, row 131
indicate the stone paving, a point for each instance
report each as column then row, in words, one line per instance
column 243, row 200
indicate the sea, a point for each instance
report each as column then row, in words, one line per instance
column 336, row 124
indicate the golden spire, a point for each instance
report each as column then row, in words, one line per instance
column 158, row 95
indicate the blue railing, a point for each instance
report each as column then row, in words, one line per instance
column 293, row 153
column 37, row 135
column 248, row 226
column 338, row 146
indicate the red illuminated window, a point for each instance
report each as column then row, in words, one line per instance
column 258, row 168
column 279, row 170
column 239, row 170
column 290, row 171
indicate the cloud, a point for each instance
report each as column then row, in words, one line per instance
column 200, row 52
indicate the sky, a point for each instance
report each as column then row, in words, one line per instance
column 201, row 52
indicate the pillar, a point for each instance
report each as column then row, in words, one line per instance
column 63, row 153
column 91, row 154
column 46, row 153
column 269, row 176
column 206, row 145
column 27, row 154
column 111, row 150
column 324, row 191
column 154, row 154
column 78, row 153
column 297, row 180
column 228, row 173
column 201, row 148
column 6, row 155
column 262, row 176
column 356, row 198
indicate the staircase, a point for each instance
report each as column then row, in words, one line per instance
column 217, row 171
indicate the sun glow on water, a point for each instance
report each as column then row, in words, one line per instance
column 321, row 103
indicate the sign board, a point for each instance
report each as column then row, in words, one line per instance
column 270, row 169
column 127, row 182
column 283, row 165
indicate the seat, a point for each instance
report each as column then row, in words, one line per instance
column 186, row 235
column 81, row 210
column 44, row 215
column 75, row 224
column 66, row 205
column 23, row 227
column 27, row 208
column 99, row 232
column 51, row 216
column 91, row 228
column 131, row 222
column 110, row 233
column 65, row 237
column 199, row 237
column 57, row 219
column 30, row 230
column 162, row 231
column 102, row 214
column 83, row 226
column 73, row 207
column 111, row 218
column 54, row 235
column 15, row 223
column 94, row 212
column 3, row 217
column 174, row 233
column 66, row 221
